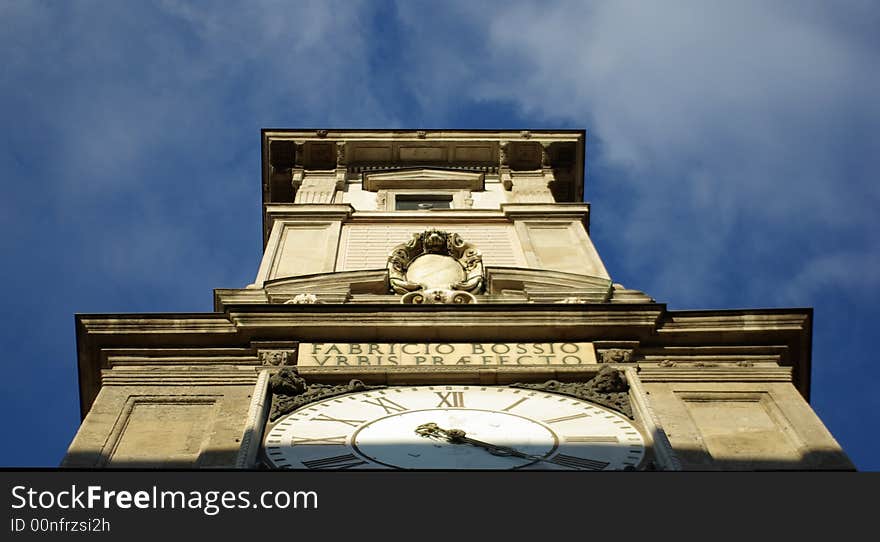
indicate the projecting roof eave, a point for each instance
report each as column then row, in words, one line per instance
column 572, row 140
column 649, row 325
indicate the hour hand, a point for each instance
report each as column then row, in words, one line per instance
column 458, row 436
column 432, row 430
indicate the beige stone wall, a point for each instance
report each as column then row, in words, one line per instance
column 538, row 240
column 492, row 197
column 559, row 245
column 162, row 426
column 743, row 426
column 367, row 245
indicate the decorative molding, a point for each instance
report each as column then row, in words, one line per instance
column 439, row 243
column 435, row 296
column 664, row 453
column 290, row 391
column 302, row 299
column 574, row 300
column 277, row 357
column 531, row 187
column 423, row 179
column 546, row 286
column 326, row 285
column 608, row 388
column 615, row 355
column 181, row 376
column 688, row 373
column 545, row 154
column 254, row 424
column 340, row 153
column 316, row 189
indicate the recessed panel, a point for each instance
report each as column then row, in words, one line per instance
column 743, row 431
column 473, row 154
column 166, row 433
column 367, row 246
column 426, row 154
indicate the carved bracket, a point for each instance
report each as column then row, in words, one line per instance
column 277, row 357
column 615, row 355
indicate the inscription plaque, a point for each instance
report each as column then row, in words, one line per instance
column 458, row 355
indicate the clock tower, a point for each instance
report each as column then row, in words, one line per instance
column 431, row 299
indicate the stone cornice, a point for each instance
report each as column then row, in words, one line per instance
column 666, row 344
column 352, row 322
column 482, row 216
column 432, row 134
column 548, row 211
column 715, row 374
column 289, row 153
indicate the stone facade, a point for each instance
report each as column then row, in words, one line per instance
column 423, row 258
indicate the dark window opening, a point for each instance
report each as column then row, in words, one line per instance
column 416, row 202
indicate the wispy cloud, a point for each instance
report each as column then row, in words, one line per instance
column 138, row 125
column 731, row 122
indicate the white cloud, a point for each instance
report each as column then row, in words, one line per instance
column 723, row 121
column 140, row 122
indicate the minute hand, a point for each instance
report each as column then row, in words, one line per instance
column 458, row 436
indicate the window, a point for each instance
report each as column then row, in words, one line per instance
column 415, row 202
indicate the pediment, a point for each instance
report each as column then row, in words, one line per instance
column 423, row 179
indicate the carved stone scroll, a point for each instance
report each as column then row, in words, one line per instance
column 302, row 299
column 436, row 260
column 438, row 296
column 608, row 388
column 290, row 391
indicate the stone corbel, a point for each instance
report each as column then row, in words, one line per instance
column 341, row 166
column 504, row 165
column 531, row 188
column 299, row 151
column 316, row 189
column 502, row 154
column 277, row 358
column 616, row 355
column 296, row 178
column 545, row 155
column 506, row 179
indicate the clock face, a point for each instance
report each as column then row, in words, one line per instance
column 454, row 427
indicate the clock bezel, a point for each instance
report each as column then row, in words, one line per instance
column 645, row 444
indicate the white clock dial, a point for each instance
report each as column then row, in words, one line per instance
column 454, row 427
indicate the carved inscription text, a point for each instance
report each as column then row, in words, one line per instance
column 444, row 354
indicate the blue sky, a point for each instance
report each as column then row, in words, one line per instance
column 732, row 157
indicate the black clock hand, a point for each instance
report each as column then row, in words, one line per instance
column 458, row 436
